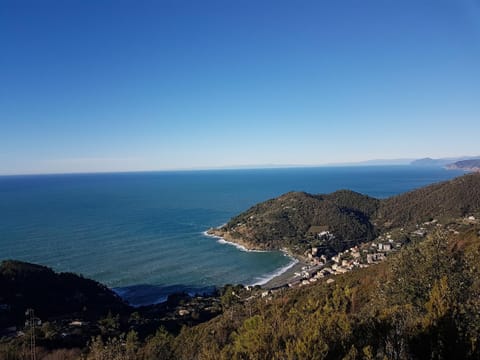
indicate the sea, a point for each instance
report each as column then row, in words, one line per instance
column 143, row 234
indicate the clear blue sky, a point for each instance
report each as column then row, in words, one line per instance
column 91, row 85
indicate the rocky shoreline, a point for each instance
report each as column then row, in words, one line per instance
column 225, row 235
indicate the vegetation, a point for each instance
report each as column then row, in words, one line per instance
column 451, row 199
column 288, row 221
column 423, row 302
column 73, row 314
column 24, row 285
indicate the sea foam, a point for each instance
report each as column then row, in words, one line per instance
column 266, row 278
column 221, row 240
column 262, row 280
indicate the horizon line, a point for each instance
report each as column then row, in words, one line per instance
column 226, row 168
column 360, row 163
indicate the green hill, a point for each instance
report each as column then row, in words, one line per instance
column 24, row 285
column 450, row 199
column 294, row 220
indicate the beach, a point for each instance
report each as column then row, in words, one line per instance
column 285, row 278
column 280, row 278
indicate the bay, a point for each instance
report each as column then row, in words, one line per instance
column 142, row 233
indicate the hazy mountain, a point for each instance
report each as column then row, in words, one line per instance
column 469, row 165
column 440, row 162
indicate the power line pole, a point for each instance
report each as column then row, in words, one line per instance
column 30, row 313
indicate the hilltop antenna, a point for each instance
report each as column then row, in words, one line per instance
column 30, row 313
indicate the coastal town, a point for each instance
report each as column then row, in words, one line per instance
column 315, row 265
column 359, row 256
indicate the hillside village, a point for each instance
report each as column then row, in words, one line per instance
column 318, row 265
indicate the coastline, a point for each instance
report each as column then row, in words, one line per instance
column 281, row 277
column 241, row 244
column 222, row 240
column 285, row 278
column 277, row 274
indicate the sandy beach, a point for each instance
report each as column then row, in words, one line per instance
column 282, row 279
column 286, row 277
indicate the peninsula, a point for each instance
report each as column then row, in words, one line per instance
column 298, row 221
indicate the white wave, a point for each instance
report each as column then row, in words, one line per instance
column 266, row 278
column 205, row 233
column 238, row 246
column 263, row 279
column 221, row 240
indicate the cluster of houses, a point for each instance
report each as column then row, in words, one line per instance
column 359, row 256
column 471, row 220
column 422, row 230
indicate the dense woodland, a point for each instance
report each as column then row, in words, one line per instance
column 24, row 285
column 286, row 221
column 423, row 302
column 451, row 199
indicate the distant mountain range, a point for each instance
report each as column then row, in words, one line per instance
column 375, row 162
column 427, row 161
column 442, row 161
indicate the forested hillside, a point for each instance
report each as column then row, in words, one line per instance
column 422, row 303
column 24, row 285
column 451, row 199
column 292, row 220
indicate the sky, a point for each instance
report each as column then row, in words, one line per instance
column 93, row 85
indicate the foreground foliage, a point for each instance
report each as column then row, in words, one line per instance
column 423, row 304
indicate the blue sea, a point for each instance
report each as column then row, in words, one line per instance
column 142, row 233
